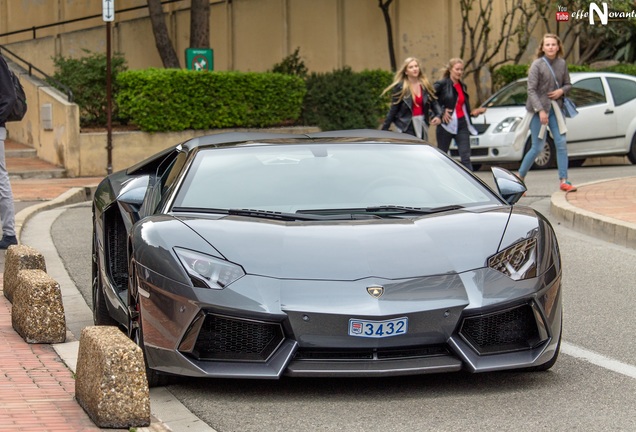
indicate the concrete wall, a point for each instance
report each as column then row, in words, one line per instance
column 51, row 124
column 246, row 35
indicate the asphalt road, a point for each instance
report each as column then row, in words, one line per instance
column 592, row 386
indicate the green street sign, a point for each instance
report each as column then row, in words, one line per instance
column 200, row 59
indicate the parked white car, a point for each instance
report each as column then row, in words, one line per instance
column 605, row 125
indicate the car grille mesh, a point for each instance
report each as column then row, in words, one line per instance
column 511, row 330
column 117, row 255
column 222, row 338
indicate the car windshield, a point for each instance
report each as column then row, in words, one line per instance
column 514, row 94
column 346, row 176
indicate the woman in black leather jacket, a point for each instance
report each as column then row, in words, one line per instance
column 413, row 103
column 453, row 98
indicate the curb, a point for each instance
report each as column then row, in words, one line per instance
column 593, row 224
column 71, row 196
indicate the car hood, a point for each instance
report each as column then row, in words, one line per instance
column 349, row 250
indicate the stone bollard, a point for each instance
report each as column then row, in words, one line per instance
column 37, row 313
column 111, row 382
column 19, row 257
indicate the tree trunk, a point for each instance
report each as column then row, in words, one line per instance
column 389, row 31
column 200, row 24
column 162, row 39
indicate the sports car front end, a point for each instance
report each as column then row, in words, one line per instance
column 339, row 258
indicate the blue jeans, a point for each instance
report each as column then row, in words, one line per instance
column 537, row 145
column 7, row 212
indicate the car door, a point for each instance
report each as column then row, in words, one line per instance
column 594, row 129
column 623, row 91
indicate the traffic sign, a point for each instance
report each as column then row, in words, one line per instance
column 108, row 10
column 200, row 59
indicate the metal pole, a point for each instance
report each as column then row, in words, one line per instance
column 109, row 129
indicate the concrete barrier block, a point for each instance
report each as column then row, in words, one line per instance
column 37, row 313
column 19, row 257
column 111, row 382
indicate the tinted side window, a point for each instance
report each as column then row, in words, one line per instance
column 622, row 90
column 588, row 92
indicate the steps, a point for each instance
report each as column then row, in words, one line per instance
column 23, row 163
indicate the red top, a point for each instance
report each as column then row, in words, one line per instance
column 459, row 108
column 418, row 101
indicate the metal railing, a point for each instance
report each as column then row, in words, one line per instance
column 47, row 78
column 34, row 29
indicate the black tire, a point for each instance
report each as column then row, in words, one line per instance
column 546, row 157
column 101, row 317
column 135, row 329
column 632, row 151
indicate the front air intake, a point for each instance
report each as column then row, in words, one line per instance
column 510, row 330
column 223, row 338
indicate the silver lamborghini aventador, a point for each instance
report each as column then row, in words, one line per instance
column 344, row 253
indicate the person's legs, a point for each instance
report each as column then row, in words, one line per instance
column 561, row 146
column 535, row 148
column 463, row 143
column 444, row 138
column 7, row 212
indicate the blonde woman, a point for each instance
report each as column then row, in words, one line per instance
column 453, row 98
column 413, row 102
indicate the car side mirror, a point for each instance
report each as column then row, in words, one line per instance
column 132, row 195
column 510, row 187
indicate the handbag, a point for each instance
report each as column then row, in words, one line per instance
column 569, row 107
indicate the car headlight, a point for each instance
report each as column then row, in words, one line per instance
column 518, row 261
column 212, row 272
column 509, row 124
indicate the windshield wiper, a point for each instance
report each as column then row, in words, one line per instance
column 297, row 216
column 383, row 210
column 301, row 215
column 395, row 209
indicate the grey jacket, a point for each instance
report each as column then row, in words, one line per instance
column 541, row 82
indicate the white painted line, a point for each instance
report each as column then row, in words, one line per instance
column 598, row 359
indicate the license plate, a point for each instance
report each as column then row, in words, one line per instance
column 474, row 141
column 378, row 329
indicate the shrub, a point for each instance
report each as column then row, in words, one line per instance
column 86, row 77
column 175, row 99
column 624, row 68
column 343, row 99
column 292, row 65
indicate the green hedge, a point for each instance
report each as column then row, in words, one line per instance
column 174, row 99
column 343, row 99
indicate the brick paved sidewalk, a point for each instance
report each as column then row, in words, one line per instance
column 36, row 388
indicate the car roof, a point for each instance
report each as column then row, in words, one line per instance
column 353, row 135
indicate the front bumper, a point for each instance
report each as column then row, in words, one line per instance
column 266, row 328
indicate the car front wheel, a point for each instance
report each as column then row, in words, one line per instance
column 100, row 311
